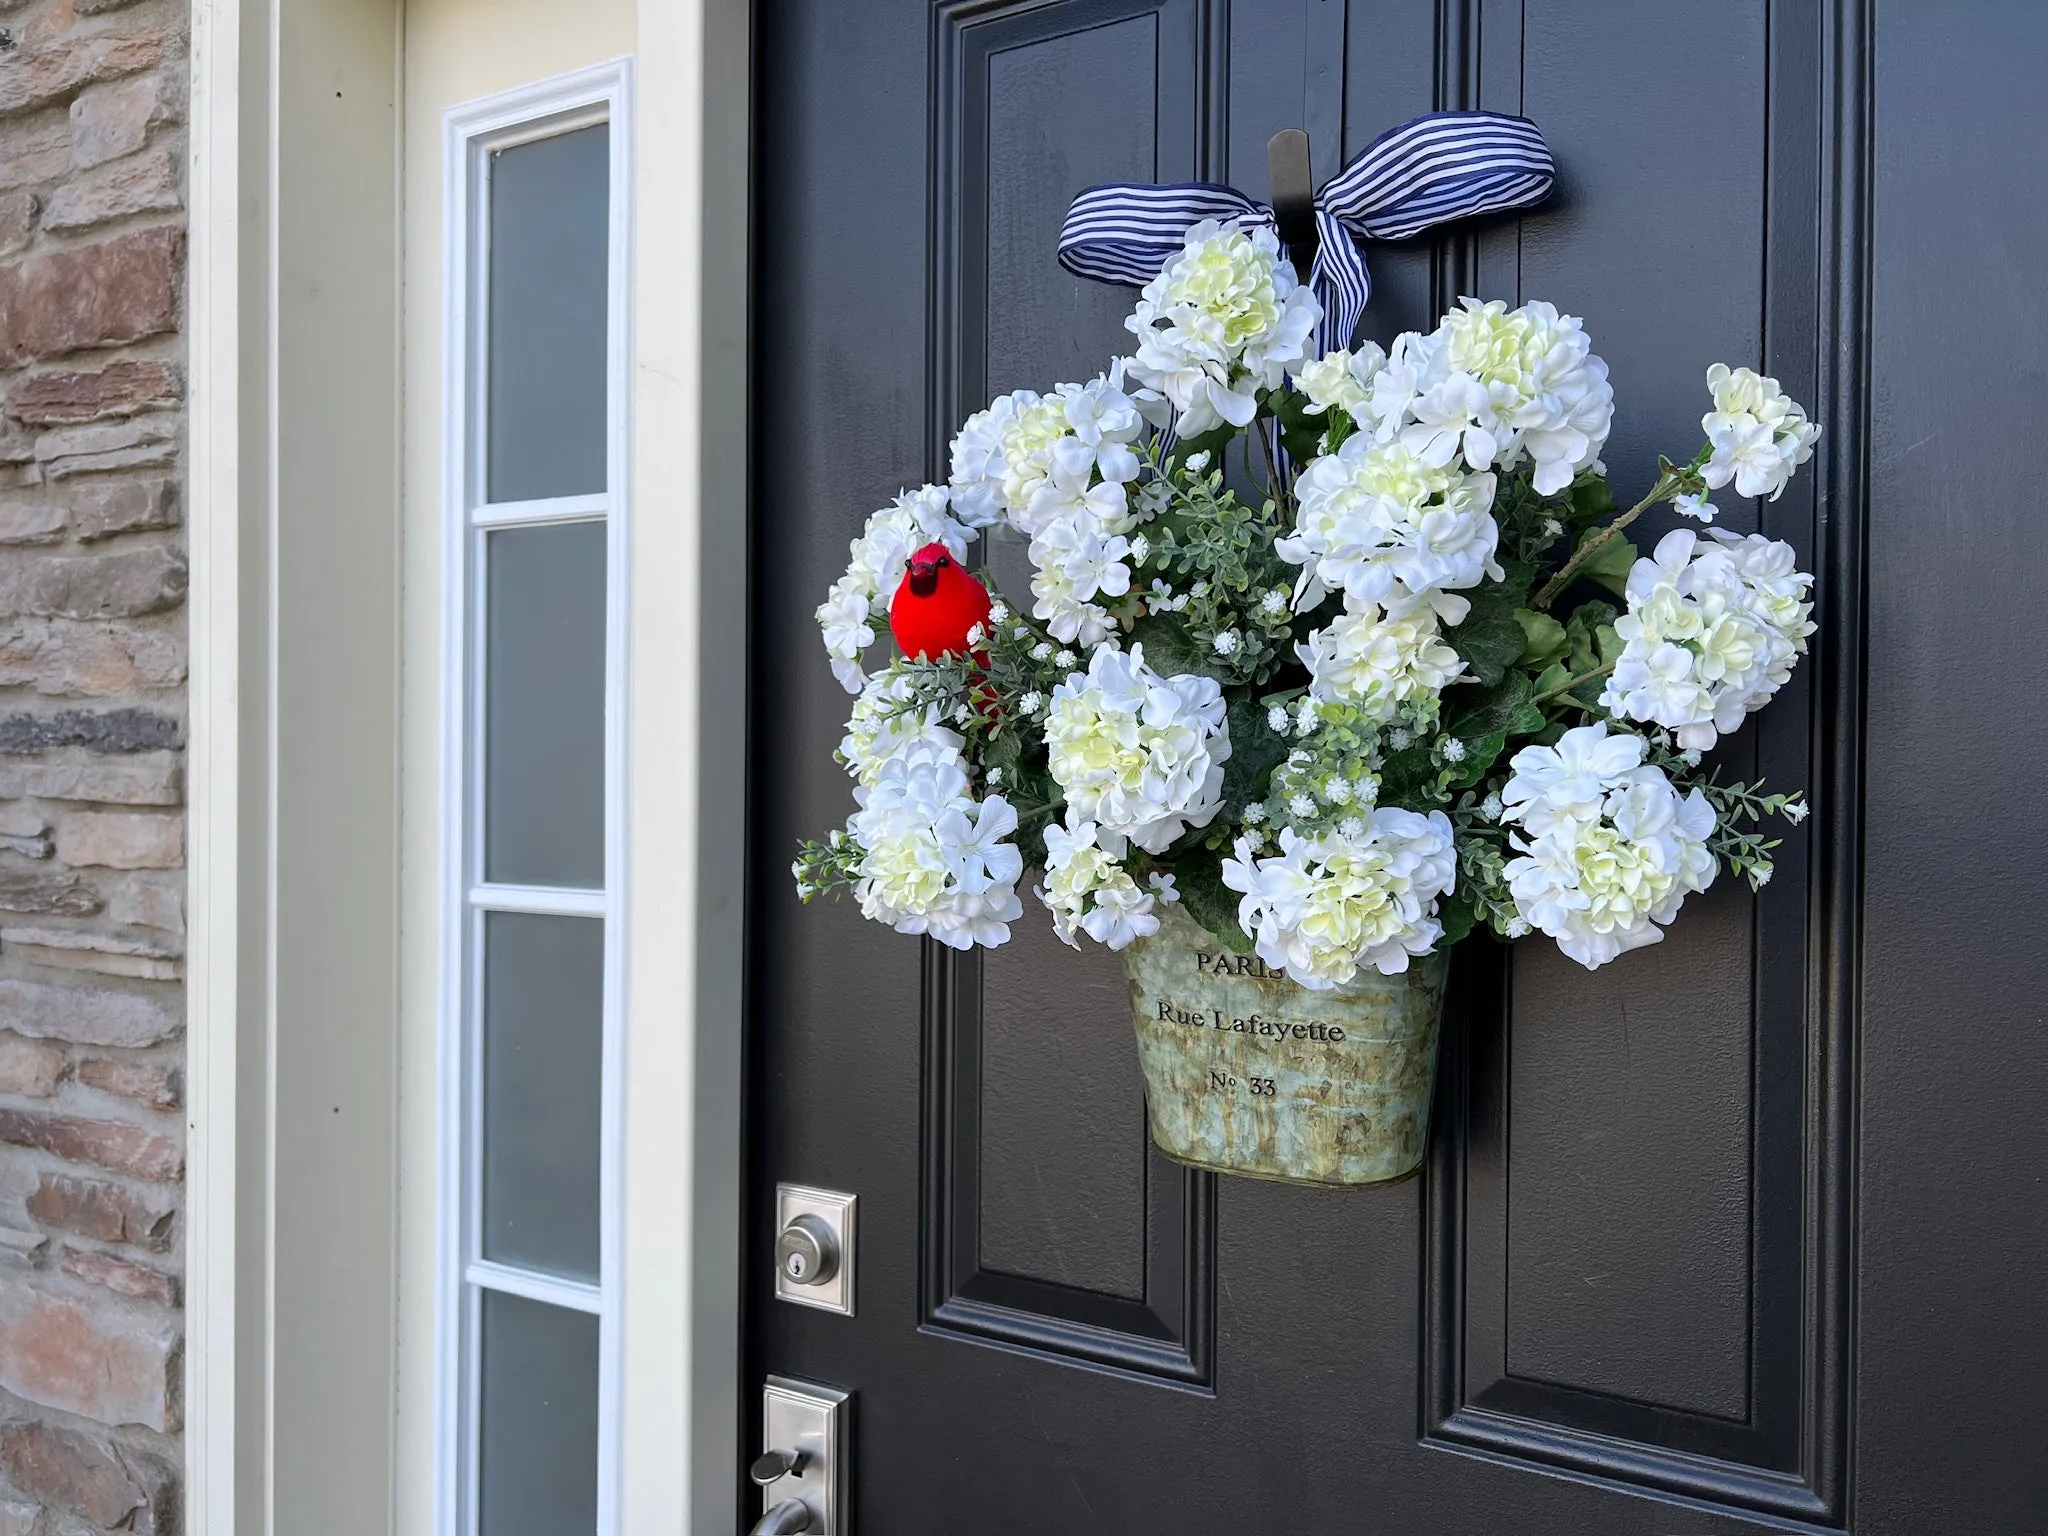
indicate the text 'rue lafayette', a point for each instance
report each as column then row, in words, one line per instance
column 1256, row 1024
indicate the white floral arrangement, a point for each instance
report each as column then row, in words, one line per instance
column 1321, row 648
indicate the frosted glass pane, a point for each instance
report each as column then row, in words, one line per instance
column 542, row 1102
column 545, row 406
column 537, row 1419
column 544, row 706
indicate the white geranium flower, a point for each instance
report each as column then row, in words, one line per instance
column 1380, row 659
column 887, row 722
column 1492, row 387
column 1379, row 523
column 1695, row 506
column 934, row 859
column 875, row 568
column 1139, row 754
column 1342, row 379
column 1222, row 320
column 1601, row 875
column 1759, row 434
column 1711, row 633
column 1088, row 891
column 1325, row 907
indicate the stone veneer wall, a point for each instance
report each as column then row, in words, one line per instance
column 92, row 708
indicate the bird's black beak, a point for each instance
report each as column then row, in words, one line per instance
column 924, row 578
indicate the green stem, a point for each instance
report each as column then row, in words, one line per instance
column 1667, row 484
column 1566, row 687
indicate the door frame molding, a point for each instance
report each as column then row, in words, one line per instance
column 260, row 404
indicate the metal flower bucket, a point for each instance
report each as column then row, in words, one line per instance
column 1248, row 1073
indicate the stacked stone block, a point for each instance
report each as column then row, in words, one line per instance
column 92, row 712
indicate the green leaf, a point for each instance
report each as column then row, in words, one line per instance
column 1543, row 640
column 1582, row 629
column 1592, row 499
column 1611, row 564
column 1199, row 878
column 1212, row 442
column 1170, row 649
column 1481, row 752
column 1491, row 637
column 1255, row 751
column 1552, row 678
column 1505, row 707
column 1455, row 913
column 1408, row 778
column 1301, row 432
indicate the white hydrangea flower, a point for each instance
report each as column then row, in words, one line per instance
column 1007, row 458
column 1711, row 633
column 1139, row 754
column 1221, row 320
column 1494, row 386
column 1342, row 379
column 1088, row 891
column 934, row 859
column 1380, row 659
column 1608, row 849
column 887, row 723
column 1758, row 433
column 1076, row 564
column 1325, row 907
column 1379, row 523
column 854, row 609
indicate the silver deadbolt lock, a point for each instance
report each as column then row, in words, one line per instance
column 814, row 1234
column 807, row 1252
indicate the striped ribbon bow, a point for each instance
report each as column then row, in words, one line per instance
column 1428, row 171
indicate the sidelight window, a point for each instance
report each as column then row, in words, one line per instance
column 533, row 1021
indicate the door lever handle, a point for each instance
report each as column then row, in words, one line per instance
column 773, row 1466
column 788, row 1518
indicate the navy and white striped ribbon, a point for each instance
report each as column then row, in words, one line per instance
column 1426, row 172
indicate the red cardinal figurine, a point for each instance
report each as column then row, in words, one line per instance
column 936, row 604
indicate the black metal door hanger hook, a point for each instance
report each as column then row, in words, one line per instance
column 1294, row 197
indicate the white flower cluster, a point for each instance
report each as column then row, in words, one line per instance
column 1495, row 386
column 1058, row 468
column 875, row 568
column 1138, row 754
column 1380, row 523
column 1341, row 379
column 887, row 722
column 1758, row 433
column 1608, row 849
column 1363, row 895
column 933, row 858
column 1380, row 659
column 1088, row 890
column 1224, row 319
column 1712, row 632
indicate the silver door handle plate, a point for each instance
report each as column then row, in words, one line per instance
column 805, row 1457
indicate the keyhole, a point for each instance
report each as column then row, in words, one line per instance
column 796, row 1266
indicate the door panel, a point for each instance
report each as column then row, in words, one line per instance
column 1630, row 1261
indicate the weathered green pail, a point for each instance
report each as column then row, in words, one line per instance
column 1248, row 1073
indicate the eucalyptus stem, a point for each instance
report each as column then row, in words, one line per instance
column 1668, row 484
column 1566, row 687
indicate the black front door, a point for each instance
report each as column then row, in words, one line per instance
column 1665, row 1273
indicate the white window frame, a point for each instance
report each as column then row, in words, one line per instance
column 472, row 131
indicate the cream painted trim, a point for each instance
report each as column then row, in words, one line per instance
column 684, row 1408
column 685, row 1411
column 216, row 1357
